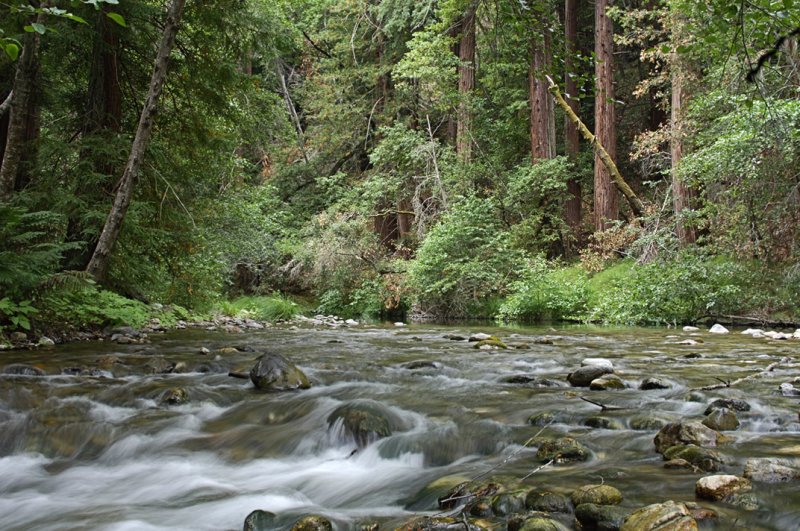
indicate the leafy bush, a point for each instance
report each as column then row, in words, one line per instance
column 90, row 307
column 545, row 293
column 678, row 291
column 466, row 258
column 17, row 315
column 263, row 308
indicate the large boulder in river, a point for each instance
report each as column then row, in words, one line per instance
column 720, row 486
column 583, row 377
column 729, row 403
column 606, row 383
column 273, row 372
column 694, row 456
column 667, row 516
column 596, row 494
column 21, row 369
column 259, row 520
column 562, row 450
column 686, row 432
column 601, row 517
column 721, row 420
column 365, row 421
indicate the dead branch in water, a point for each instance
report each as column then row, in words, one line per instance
column 603, row 407
column 725, row 384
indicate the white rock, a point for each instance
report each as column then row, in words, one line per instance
column 796, row 334
column 351, row 322
column 689, row 342
column 45, row 341
column 776, row 335
column 480, row 336
column 690, row 329
column 753, row 332
column 719, row 486
column 718, row 329
column 788, row 389
column 399, row 325
column 597, row 362
column 204, row 351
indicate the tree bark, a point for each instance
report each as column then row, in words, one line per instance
column 104, row 106
column 573, row 206
column 542, row 124
column 606, row 204
column 683, row 197
column 466, row 84
column 98, row 265
column 19, row 128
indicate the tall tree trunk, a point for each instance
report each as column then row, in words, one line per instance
column 98, row 265
column 572, row 207
column 466, row 84
column 542, row 123
column 606, row 202
column 683, row 197
column 104, row 106
column 19, row 128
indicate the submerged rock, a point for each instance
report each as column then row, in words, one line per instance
column 686, row 432
column 694, row 456
column 562, row 450
column 769, row 470
column 729, row 403
column 667, row 516
column 722, row 420
column 313, row 523
column 422, row 364
column 531, row 381
column 468, row 491
column 720, row 486
column 490, row 344
column 273, row 372
column 583, row 377
column 545, row 418
column 428, row 523
column 603, row 423
column 174, row 396
column 596, row 494
column 259, row 520
column 646, row 423
column 21, row 369
column 365, row 421
column 507, row 503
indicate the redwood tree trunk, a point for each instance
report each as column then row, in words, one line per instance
column 606, row 202
column 98, row 265
column 466, row 84
column 542, row 123
column 23, row 97
column 104, row 108
column 683, row 197
column 572, row 207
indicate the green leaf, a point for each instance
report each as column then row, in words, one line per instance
column 75, row 18
column 116, row 17
column 788, row 4
column 39, row 28
column 12, row 50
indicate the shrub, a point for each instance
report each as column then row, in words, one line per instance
column 545, row 293
column 263, row 308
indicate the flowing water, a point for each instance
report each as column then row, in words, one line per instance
column 102, row 451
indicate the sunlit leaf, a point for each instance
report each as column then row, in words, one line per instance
column 116, row 17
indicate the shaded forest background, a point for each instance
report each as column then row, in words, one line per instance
column 385, row 157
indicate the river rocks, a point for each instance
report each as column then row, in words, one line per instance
column 507, row 503
column 545, row 418
column 422, row 364
column 600, row 517
column 364, row 421
column 490, row 344
column 646, row 423
column 690, row 329
column 313, row 523
column 718, row 329
column 607, row 382
column 730, row 403
column 158, row 365
column 583, row 377
column 428, row 523
column 667, row 516
column 649, row 384
column 596, row 494
column 174, row 396
column 603, row 423
column 548, row 502
column 45, row 341
column 693, row 456
column 21, row 369
column 480, row 336
column 722, row 420
column 531, row 381
column 788, row 389
column 465, row 492
column 273, row 372
column 259, row 520
column 769, row 470
column 541, row 523
column 455, row 337
column 562, row 450
column 686, row 432
column 720, row 486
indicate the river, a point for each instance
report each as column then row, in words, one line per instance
column 101, row 450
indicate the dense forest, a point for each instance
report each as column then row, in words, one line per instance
column 630, row 162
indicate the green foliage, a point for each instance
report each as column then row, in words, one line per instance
column 466, row 257
column 672, row 292
column 91, row 308
column 545, row 292
column 15, row 314
column 263, row 308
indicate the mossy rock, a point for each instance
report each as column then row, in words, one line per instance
column 607, row 382
column 646, row 423
column 463, row 493
column 686, row 432
column 174, row 396
column 429, row 495
column 603, row 423
column 722, row 419
column 562, row 450
column 273, row 372
column 593, row 516
column 365, row 421
column 667, row 516
column 542, row 523
column 596, row 494
column 547, row 502
column 427, row 523
column 704, row 459
column 489, row 344
column 313, row 523
column 259, row 520
column 508, row 503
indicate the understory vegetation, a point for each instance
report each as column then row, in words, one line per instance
column 381, row 160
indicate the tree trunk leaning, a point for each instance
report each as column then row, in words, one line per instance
column 98, row 265
column 633, row 200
